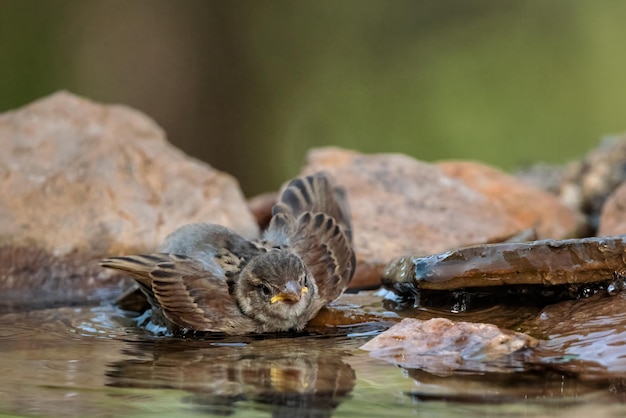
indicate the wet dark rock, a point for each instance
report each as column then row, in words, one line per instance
column 32, row 278
column 530, row 206
column 544, row 262
column 364, row 311
column 83, row 180
column 583, row 337
column 574, row 268
column 441, row 346
column 403, row 206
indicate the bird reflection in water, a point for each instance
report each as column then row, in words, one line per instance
column 290, row 377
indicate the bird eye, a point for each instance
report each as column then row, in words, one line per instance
column 265, row 289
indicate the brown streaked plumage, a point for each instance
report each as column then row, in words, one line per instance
column 207, row 277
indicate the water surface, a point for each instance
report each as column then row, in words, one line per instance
column 93, row 361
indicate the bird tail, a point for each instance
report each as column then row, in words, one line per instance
column 137, row 266
column 316, row 193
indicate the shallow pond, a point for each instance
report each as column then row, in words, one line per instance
column 93, row 361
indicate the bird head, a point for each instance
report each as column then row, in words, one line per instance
column 276, row 288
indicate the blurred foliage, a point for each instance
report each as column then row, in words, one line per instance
column 249, row 86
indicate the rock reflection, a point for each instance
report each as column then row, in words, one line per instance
column 290, row 378
column 496, row 388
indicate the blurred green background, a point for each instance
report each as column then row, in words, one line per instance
column 249, row 86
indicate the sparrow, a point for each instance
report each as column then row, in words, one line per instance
column 207, row 277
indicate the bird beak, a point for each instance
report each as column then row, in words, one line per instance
column 292, row 292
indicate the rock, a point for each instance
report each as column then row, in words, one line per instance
column 261, row 208
column 583, row 338
column 354, row 313
column 613, row 215
column 440, row 345
column 588, row 183
column 535, row 273
column 403, row 206
column 33, row 278
column 584, row 185
column 547, row 177
column 543, row 263
column 82, row 180
column 530, row 206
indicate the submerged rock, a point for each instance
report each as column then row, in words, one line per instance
column 401, row 205
column 83, row 180
column 584, row 338
column 441, row 346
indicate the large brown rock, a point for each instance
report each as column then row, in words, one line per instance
column 403, row 206
column 528, row 205
column 613, row 215
column 81, row 180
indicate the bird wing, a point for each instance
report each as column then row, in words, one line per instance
column 325, row 248
column 186, row 294
column 313, row 218
column 316, row 194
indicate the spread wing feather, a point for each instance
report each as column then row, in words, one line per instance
column 316, row 194
column 178, row 285
column 313, row 218
column 325, row 248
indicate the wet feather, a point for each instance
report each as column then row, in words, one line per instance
column 207, row 277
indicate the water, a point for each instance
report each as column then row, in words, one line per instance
column 93, row 361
